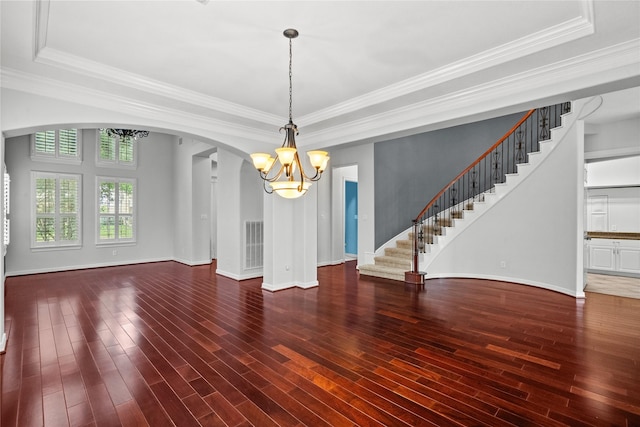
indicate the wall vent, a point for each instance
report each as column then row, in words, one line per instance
column 254, row 244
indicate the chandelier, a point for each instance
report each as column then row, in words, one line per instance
column 125, row 133
column 295, row 180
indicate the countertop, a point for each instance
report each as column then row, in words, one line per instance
column 613, row 235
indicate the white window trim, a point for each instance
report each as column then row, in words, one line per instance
column 57, row 157
column 116, row 163
column 116, row 241
column 56, row 244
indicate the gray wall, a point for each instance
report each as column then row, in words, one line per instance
column 409, row 171
column 155, row 201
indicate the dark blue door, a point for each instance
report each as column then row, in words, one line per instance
column 351, row 217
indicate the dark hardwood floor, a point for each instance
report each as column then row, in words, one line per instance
column 162, row 344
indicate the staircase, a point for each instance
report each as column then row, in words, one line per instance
column 397, row 259
column 468, row 196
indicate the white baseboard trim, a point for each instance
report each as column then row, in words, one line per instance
column 239, row 277
column 84, row 266
column 227, row 274
column 577, row 294
column 273, row 288
column 192, row 263
column 308, row 285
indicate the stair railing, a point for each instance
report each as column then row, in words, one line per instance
column 480, row 177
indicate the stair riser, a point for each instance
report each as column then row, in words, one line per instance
column 394, row 264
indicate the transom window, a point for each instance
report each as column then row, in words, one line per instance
column 60, row 145
column 116, row 210
column 55, row 218
column 115, row 151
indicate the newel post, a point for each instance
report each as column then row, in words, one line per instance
column 414, row 277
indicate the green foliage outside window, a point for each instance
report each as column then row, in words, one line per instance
column 46, row 142
column 116, row 210
column 60, row 143
column 68, row 142
column 116, row 149
column 126, row 149
column 107, row 146
column 57, row 200
column 45, row 229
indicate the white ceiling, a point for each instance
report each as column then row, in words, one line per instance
column 362, row 70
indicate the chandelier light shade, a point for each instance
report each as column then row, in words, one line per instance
column 289, row 179
column 124, row 133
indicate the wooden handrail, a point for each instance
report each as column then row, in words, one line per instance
column 478, row 160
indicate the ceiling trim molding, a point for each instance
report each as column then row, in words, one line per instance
column 53, row 57
column 93, row 69
column 570, row 75
column 172, row 118
column 41, row 18
column 553, row 36
column 545, row 39
column 574, row 74
column 612, row 153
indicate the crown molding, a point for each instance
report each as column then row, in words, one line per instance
column 173, row 119
column 570, row 75
column 93, row 69
column 545, row 39
column 41, row 18
column 49, row 56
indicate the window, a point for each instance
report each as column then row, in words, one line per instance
column 115, row 151
column 55, row 219
column 116, row 210
column 62, row 145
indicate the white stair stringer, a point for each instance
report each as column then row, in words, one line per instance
column 533, row 234
column 492, row 198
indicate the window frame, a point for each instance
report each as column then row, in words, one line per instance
column 57, row 216
column 117, row 214
column 116, row 162
column 57, row 156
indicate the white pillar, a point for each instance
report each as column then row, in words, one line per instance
column 229, row 230
column 290, row 241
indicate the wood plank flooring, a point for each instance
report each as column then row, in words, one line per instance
column 613, row 285
column 166, row 344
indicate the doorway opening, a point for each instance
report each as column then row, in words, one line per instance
column 350, row 219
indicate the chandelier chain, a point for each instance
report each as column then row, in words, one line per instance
column 290, row 84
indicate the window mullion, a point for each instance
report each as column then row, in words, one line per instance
column 116, row 207
column 56, row 208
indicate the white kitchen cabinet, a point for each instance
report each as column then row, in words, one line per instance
column 614, row 255
column 629, row 258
